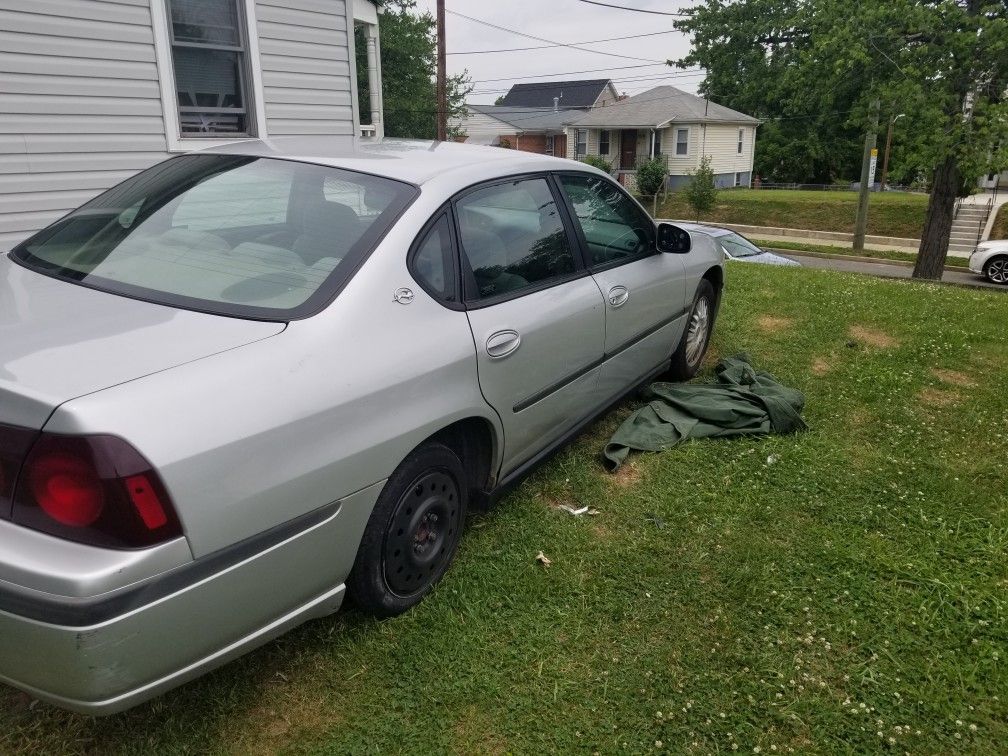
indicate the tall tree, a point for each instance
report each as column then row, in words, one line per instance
column 811, row 69
column 409, row 64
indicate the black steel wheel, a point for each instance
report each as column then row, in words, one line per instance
column 413, row 533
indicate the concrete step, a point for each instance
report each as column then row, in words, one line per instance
column 962, row 249
column 964, row 235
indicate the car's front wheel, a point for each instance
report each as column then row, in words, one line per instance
column 413, row 532
column 996, row 270
column 696, row 336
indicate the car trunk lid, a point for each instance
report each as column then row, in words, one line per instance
column 59, row 341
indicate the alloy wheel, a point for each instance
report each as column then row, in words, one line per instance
column 997, row 270
column 697, row 331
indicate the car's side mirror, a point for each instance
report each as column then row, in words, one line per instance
column 673, row 239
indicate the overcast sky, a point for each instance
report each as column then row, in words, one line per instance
column 568, row 21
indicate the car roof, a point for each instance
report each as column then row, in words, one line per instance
column 405, row 160
column 703, row 228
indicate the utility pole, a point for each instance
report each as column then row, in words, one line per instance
column 442, row 83
column 861, row 224
column 888, row 146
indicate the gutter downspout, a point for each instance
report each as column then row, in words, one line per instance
column 374, row 80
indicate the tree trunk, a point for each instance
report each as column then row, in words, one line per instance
column 938, row 221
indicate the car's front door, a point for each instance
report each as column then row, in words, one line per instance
column 537, row 320
column 644, row 289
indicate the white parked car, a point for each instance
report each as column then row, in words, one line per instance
column 990, row 260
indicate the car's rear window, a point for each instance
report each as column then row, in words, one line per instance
column 236, row 235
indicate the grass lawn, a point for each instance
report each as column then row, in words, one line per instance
column 889, row 214
column 1000, row 228
column 843, row 590
column 880, row 254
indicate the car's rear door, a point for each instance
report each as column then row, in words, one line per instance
column 644, row 289
column 537, row 318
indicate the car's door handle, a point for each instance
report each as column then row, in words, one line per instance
column 502, row 343
column 618, row 296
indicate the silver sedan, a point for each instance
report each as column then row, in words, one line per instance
column 246, row 383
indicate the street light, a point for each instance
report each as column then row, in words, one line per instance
column 888, row 144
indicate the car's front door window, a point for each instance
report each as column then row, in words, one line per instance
column 614, row 227
column 513, row 238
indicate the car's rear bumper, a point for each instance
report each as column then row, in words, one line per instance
column 103, row 656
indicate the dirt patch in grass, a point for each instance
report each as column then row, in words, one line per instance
column 627, row 476
column 773, row 323
column 954, row 377
column 933, row 397
column 823, row 366
column 872, row 337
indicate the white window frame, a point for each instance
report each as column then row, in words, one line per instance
column 741, row 140
column 166, row 77
column 677, row 153
column 577, row 133
column 550, row 142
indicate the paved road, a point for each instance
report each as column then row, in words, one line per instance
column 888, row 270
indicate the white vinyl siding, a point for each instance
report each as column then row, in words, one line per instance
column 721, row 143
column 81, row 105
column 81, row 97
column 305, row 56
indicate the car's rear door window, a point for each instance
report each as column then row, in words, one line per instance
column 237, row 235
column 513, row 238
column 615, row 229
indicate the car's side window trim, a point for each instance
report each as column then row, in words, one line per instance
column 452, row 298
column 583, row 241
column 468, row 281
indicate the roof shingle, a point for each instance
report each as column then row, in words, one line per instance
column 659, row 106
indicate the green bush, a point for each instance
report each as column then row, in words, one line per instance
column 597, row 161
column 701, row 191
column 651, row 176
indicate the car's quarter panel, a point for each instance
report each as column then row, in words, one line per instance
column 549, row 381
column 703, row 256
column 257, row 436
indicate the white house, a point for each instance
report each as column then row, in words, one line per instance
column 676, row 126
column 92, row 91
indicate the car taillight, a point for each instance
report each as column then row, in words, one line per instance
column 14, row 445
column 93, row 489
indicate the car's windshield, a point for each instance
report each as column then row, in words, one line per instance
column 236, row 235
column 738, row 246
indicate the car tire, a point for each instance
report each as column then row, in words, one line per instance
column 692, row 347
column 412, row 534
column 995, row 270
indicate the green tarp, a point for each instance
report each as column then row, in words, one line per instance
column 743, row 402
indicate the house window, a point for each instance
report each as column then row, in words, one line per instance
column 738, row 179
column 682, row 142
column 603, row 142
column 741, row 136
column 549, row 145
column 657, row 143
column 209, row 50
column 580, row 142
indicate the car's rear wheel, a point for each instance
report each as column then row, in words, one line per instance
column 696, row 336
column 996, row 270
column 413, row 533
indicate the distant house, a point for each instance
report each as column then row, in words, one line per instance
column 541, row 130
column 533, row 117
column 567, row 95
column 92, row 92
column 676, row 126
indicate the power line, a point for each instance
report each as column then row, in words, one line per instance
column 551, row 41
column 570, row 73
column 546, row 85
column 635, row 10
column 561, row 44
